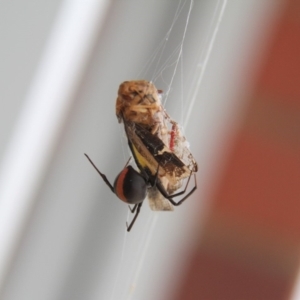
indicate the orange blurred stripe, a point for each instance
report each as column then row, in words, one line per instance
column 250, row 248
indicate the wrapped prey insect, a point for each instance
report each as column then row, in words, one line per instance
column 156, row 142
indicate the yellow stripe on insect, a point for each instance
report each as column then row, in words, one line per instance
column 141, row 159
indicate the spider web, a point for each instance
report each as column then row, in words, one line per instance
column 165, row 67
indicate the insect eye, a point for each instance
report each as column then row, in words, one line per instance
column 130, row 186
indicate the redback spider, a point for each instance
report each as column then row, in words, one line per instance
column 131, row 187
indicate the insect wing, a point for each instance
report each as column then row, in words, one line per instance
column 180, row 146
column 148, row 165
column 149, row 152
column 139, row 102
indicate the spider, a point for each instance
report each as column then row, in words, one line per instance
column 132, row 187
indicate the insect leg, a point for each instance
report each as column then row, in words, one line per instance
column 136, row 214
column 101, row 174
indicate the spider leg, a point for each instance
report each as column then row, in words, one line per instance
column 170, row 197
column 186, row 185
column 127, row 162
column 133, row 209
column 155, row 176
column 101, row 174
column 136, row 215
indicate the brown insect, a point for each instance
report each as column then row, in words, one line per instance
column 155, row 140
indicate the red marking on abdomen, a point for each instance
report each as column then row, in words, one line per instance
column 119, row 186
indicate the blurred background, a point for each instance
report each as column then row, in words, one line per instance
column 231, row 70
